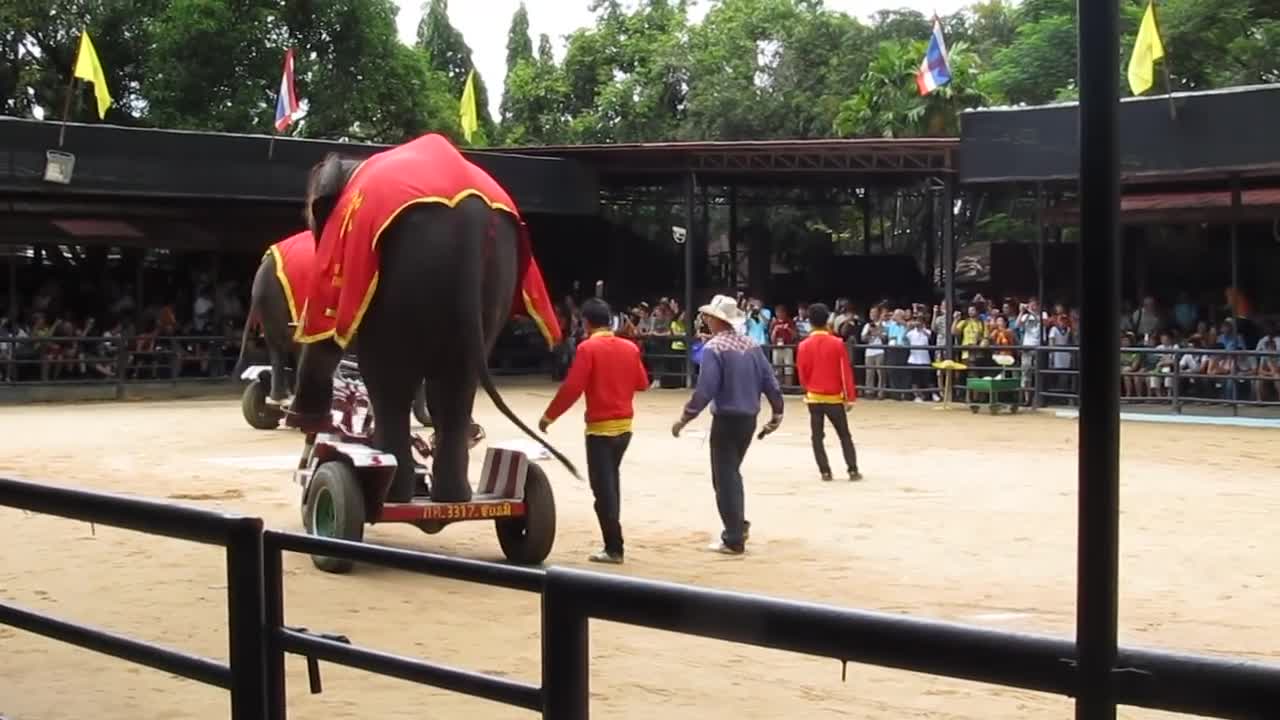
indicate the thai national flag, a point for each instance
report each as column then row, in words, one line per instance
column 934, row 71
column 287, row 102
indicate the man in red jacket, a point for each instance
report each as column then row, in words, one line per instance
column 823, row 364
column 609, row 371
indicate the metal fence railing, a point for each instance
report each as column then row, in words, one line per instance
column 1177, row 378
column 119, row 359
column 260, row 639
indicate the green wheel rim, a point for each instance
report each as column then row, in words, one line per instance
column 325, row 517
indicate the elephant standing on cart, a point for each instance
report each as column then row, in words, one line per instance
column 277, row 297
column 424, row 255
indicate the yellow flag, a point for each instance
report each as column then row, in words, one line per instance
column 467, row 112
column 90, row 70
column 1147, row 49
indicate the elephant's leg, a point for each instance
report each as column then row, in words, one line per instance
column 451, row 402
column 391, row 379
column 313, row 396
column 279, row 377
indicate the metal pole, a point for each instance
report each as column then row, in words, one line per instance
column 948, row 263
column 273, row 590
column 566, row 680
column 1236, row 202
column 1099, row 423
column 691, row 184
column 246, row 607
column 1041, row 199
column 1235, row 280
column 733, row 238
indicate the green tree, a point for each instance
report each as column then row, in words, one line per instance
column 448, row 53
column 212, row 64
column 519, row 49
column 888, row 104
column 38, row 44
column 359, row 80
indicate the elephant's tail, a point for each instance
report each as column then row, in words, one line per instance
column 486, row 381
column 250, row 323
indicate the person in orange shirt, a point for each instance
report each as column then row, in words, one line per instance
column 829, row 390
column 609, row 371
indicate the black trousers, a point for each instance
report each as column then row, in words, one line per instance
column 819, row 415
column 730, row 438
column 604, row 458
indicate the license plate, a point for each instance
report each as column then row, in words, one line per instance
column 467, row 511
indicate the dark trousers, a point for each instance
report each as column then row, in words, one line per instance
column 730, row 438
column 604, row 458
column 819, row 415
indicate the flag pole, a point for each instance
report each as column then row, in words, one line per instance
column 271, row 146
column 66, row 108
column 1164, row 64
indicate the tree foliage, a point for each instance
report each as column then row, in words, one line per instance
column 639, row 72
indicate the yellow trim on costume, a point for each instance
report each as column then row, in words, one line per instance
column 814, row 398
column 609, row 428
column 819, row 332
column 604, row 333
column 344, row 340
column 537, row 319
column 284, row 282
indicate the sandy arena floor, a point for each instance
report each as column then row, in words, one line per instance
column 963, row 517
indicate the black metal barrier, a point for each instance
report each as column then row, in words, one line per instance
column 259, row 638
column 246, row 673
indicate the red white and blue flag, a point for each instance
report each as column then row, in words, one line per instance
column 934, row 71
column 287, row 102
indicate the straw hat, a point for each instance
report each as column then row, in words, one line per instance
column 724, row 308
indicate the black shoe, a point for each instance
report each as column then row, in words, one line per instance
column 746, row 530
column 826, row 477
column 854, row 476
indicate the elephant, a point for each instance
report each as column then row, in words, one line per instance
column 275, row 301
column 420, row 255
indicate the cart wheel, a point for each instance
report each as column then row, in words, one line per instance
column 334, row 509
column 253, row 403
column 527, row 540
column 420, row 407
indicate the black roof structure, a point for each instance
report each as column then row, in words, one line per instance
column 881, row 161
column 151, row 164
column 1207, row 138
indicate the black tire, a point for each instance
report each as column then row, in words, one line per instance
column 253, row 403
column 334, row 508
column 420, row 407
column 527, row 540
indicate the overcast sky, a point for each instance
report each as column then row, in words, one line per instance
column 484, row 24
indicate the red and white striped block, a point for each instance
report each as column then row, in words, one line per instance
column 503, row 473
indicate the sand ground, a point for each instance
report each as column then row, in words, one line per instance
column 962, row 517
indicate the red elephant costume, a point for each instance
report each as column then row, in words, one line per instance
column 378, row 191
column 295, row 262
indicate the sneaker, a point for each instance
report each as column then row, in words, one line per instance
column 919, row 399
column 937, row 397
column 605, row 557
column 826, row 477
column 854, row 476
column 720, row 547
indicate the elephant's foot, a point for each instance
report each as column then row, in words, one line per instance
column 403, row 486
column 308, row 422
column 446, row 492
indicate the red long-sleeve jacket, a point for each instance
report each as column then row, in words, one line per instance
column 609, row 371
column 823, row 364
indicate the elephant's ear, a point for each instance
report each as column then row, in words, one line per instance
column 324, row 187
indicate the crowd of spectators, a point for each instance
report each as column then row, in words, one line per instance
column 895, row 345
column 62, row 337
